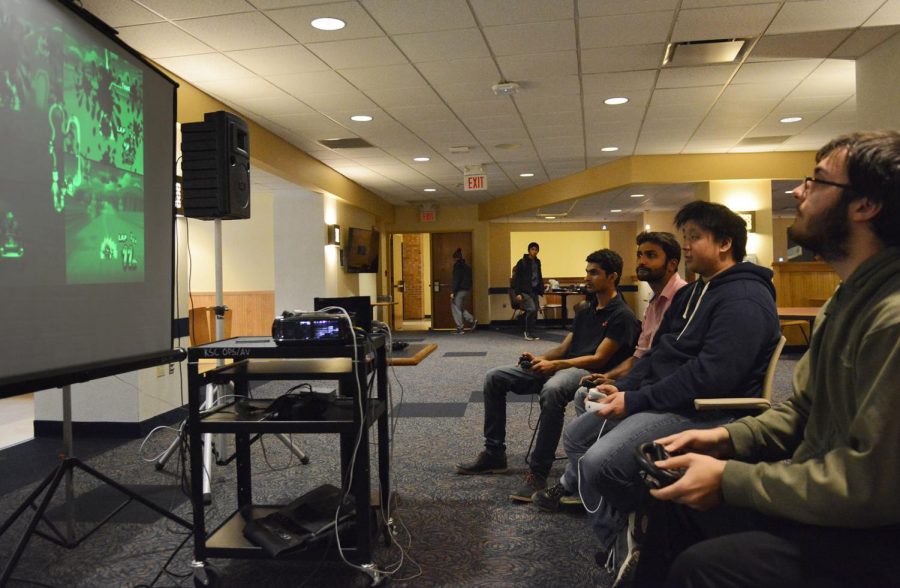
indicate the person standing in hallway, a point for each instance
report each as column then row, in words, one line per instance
column 528, row 286
column 460, row 289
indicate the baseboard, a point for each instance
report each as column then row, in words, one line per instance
column 116, row 430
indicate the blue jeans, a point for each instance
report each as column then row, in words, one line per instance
column 531, row 303
column 555, row 392
column 601, row 458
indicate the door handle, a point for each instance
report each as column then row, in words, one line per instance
column 400, row 287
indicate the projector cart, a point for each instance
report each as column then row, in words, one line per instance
column 342, row 417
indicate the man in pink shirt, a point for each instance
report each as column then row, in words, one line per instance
column 658, row 256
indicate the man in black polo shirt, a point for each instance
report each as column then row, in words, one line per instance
column 602, row 336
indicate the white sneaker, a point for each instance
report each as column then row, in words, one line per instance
column 530, row 338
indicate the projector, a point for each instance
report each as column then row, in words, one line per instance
column 311, row 328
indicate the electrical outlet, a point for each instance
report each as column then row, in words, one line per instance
column 171, row 368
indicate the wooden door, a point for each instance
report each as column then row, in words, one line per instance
column 442, row 247
column 397, row 284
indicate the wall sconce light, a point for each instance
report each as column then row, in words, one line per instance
column 749, row 218
column 333, row 233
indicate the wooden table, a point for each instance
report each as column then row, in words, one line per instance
column 413, row 354
column 387, row 308
column 795, row 313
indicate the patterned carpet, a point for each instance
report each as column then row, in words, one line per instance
column 455, row 530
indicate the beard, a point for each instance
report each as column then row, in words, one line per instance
column 648, row 275
column 827, row 236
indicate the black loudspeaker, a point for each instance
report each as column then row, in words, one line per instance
column 215, row 167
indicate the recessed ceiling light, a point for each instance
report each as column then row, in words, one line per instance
column 603, row 227
column 430, row 190
column 328, row 24
column 361, row 117
column 526, row 175
column 421, row 159
column 616, row 210
column 791, row 119
column 607, row 149
column 550, row 217
column 616, row 101
column 637, row 195
column 507, row 145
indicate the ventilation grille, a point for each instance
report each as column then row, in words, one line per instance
column 755, row 141
column 354, row 143
column 690, row 53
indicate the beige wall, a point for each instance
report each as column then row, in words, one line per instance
column 779, row 236
column 561, row 250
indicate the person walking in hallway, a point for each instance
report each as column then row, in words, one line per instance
column 460, row 289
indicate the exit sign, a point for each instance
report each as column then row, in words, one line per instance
column 475, row 182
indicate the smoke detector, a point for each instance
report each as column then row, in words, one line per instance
column 505, row 88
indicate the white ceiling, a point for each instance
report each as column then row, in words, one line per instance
column 424, row 70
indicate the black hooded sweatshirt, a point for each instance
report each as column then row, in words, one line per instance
column 715, row 340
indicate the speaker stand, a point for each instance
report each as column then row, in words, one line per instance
column 48, row 487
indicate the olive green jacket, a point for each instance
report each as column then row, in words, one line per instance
column 841, row 428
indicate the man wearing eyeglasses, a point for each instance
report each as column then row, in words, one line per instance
column 831, row 513
column 602, row 335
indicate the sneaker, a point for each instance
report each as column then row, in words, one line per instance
column 459, row 332
column 529, row 488
column 530, row 338
column 474, row 324
column 634, row 536
column 549, row 499
column 485, row 463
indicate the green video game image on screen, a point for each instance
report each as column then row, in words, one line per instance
column 89, row 100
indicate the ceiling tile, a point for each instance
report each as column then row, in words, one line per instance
column 704, row 75
column 354, row 53
column 822, row 15
column 528, row 104
column 389, row 98
column 441, row 45
column 313, row 125
column 864, row 40
column 178, row 9
column 622, row 58
column 459, row 71
column 509, row 121
column 617, row 84
column 249, row 30
column 409, row 16
column 238, row 90
column 386, row 76
column 116, row 13
column 538, row 65
column 738, row 93
column 296, row 22
column 310, row 83
column 344, row 101
column 504, row 12
column 279, row 103
column 273, row 61
column 556, row 131
column 552, row 86
column 544, row 37
column 626, row 29
column 888, row 14
column 723, row 22
column 436, row 112
column 162, row 40
column 469, row 92
column 587, row 8
column 775, row 71
column 209, row 66
column 559, row 117
column 796, row 45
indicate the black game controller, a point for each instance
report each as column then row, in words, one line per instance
column 646, row 455
column 524, row 362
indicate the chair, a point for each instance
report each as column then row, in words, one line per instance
column 514, row 304
column 748, row 404
column 800, row 324
column 203, row 324
column 552, row 309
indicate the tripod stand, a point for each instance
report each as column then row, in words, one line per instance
column 48, row 487
column 215, row 393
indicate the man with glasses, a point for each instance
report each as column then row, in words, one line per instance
column 604, row 334
column 806, row 493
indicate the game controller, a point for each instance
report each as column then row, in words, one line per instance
column 646, row 455
column 592, row 402
column 524, row 362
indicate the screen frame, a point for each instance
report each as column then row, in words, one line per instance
column 84, row 372
column 374, row 246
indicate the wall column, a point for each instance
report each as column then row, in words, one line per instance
column 878, row 85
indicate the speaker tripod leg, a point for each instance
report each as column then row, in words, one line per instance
column 295, row 449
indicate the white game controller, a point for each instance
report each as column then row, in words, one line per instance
column 591, row 403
